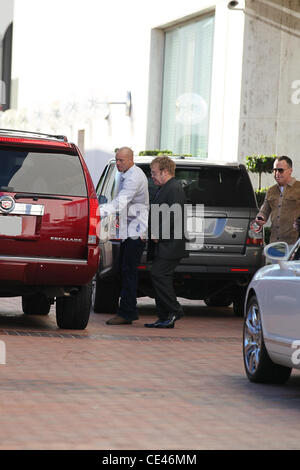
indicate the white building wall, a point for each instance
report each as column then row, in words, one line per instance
column 6, row 17
column 226, row 83
column 68, row 53
column 270, row 101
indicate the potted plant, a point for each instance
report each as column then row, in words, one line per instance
column 169, row 153
column 260, row 164
column 155, row 152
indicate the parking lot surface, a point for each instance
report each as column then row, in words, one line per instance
column 128, row 387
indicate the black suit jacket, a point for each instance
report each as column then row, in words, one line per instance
column 170, row 247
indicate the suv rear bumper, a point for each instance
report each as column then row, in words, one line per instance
column 216, row 273
column 49, row 271
column 194, row 283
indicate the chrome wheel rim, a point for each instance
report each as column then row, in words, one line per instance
column 252, row 338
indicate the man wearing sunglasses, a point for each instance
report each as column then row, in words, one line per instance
column 282, row 203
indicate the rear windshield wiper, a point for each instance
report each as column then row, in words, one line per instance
column 35, row 197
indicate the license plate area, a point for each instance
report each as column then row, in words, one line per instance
column 10, row 226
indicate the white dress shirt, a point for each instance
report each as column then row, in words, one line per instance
column 131, row 204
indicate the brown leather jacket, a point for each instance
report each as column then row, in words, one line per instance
column 283, row 208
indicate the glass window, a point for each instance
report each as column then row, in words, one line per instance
column 217, row 186
column 30, row 171
column 211, row 186
column 186, row 88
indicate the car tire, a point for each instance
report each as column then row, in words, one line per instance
column 239, row 301
column 74, row 312
column 238, row 307
column 105, row 296
column 37, row 304
column 258, row 365
column 220, row 300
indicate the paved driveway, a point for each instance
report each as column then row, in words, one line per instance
column 128, row 387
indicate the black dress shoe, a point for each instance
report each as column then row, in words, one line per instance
column 152, row 325
column 162, row 323
column 179, row 314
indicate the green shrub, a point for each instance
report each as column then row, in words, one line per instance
column 260, row 164
column 155, row 152
column 260, row 195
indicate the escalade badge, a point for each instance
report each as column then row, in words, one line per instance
column 66, row 239
column 7, row 204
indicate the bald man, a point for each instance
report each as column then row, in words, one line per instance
column 132, row 205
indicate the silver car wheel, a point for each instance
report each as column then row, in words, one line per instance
column 258, row 365
column 252, row 338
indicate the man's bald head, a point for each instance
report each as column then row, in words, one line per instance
column 124, row 159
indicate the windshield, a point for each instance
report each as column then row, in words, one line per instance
column 48, row 172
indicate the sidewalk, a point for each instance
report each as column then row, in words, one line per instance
column 125, row 387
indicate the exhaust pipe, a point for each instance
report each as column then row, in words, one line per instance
column 70, row 292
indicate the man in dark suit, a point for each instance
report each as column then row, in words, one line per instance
column 166, row 240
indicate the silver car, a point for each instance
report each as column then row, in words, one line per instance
column 271, row 340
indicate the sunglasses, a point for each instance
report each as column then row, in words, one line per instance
column 280, row 170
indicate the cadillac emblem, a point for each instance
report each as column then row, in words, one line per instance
column 7, row 204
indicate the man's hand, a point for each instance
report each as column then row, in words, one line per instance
column 296, row 224
column 260, row 220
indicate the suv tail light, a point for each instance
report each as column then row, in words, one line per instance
column 255, row 235
column 94, row 222
column 255, row 241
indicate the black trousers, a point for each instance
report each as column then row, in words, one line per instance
column 162, row 274
column 130, row 254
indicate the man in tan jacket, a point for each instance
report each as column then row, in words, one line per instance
column 282, row 203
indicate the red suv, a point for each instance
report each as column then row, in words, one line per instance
column 49, row 225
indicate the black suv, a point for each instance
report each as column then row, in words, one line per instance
column 217, row 271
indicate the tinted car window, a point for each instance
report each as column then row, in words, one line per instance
column 212, row 186
column 51, row 172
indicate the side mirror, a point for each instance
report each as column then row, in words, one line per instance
column 278, row 251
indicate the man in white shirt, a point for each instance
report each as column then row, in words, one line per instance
column 132, row 205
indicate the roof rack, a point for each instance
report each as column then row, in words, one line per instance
column 38, row 135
